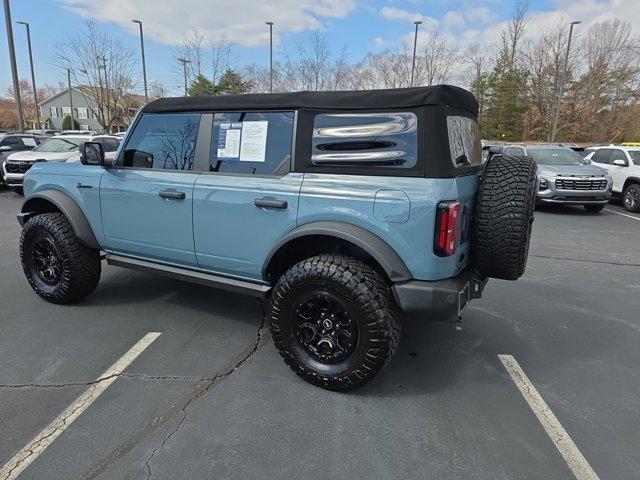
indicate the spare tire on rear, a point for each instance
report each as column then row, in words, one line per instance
column 504, row 215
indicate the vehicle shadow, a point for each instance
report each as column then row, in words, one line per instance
column 559, row 209
column 126, row 287
column 434, row 356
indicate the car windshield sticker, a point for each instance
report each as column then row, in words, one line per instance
column 253, row 145
column 229, row 140
column 29, row 142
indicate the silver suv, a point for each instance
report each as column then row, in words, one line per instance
column 565, row 177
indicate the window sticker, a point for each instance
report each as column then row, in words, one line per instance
column 229, row 140
column 253, row 144
column 29, row 142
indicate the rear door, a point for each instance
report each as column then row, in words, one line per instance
column 248, row 197
column 618, row 173
column 147, row 198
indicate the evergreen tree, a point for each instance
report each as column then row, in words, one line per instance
column 201, row 85
column 69, row 124
column 231, row 83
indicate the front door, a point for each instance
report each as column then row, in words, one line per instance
column 147, row 198
column 249, row 198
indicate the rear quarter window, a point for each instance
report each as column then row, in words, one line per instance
column 464, row 141
column 388, row 139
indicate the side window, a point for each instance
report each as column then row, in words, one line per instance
column 163, row 141
column 464, row 141
column 251, row 143
column 617, row 154
column 513, row 151
column 365, row 139
column 602, row 156
column 14, row 142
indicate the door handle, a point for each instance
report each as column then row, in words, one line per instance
column 172, row 194
column 270, row 203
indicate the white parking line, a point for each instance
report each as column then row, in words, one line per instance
column 576, row 462
column 623, row 214
column 35, row 447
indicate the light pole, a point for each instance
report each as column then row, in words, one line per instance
column 556, row 118
column 270, row 55
column 106, row 86
column 184, row 62
column 415, row 46
column 144, row 65
column 70, row 99
column 12, row 60
column 33, row 75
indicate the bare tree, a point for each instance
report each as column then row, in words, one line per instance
column 313, row 66
column 514, row 32
column 437, row 62
column 102, row 67
column 157, row 90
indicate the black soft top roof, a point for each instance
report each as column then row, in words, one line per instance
column 344, row 100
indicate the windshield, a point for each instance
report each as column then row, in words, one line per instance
column 635, row 156
column 555, row 156
column 59, row 145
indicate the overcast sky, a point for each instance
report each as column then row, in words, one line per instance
column 359, row 25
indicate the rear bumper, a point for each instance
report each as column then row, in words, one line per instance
column 442, row 298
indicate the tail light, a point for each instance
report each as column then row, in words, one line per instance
column 447, row 228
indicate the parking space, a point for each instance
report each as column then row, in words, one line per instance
column 210, row 397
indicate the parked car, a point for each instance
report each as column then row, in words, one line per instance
column 77, row 132
column 565, row 177
column 43, row 133
column 15, row 142
column 54, row 149
column 623, row 164
column 339, row 208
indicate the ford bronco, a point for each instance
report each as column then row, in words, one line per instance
column 340, row 209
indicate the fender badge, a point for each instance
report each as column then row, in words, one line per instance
column 81, row 185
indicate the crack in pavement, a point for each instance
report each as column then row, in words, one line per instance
column 141, row 376
column 586, row 261
column 204, row 389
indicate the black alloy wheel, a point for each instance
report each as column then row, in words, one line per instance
column 324, row 326
column 47, row 263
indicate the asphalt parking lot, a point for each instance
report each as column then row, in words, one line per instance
column 210, row 397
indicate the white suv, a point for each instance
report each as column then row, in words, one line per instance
column 623, row 164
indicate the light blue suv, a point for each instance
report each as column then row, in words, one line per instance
column 341, row 209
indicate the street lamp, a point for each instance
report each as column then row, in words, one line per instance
column 270, row 55
column 556, row 118
column 184, row 62
column 415, row 45
column 144, row 66
column 33, row 75
column 70, row 98
column 12, row 60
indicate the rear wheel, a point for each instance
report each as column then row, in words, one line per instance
column 593, row 208
column 57, row 266
column 504, row 216
column 334, row 321
column 631, row 198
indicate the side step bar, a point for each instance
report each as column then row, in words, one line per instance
column 216, row 281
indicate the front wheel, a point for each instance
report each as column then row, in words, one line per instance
column 57, row 266
column 593, row 208
column 334, row 321
column 631, row 198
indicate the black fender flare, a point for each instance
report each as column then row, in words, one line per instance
column 69, row 209
column 380, row 251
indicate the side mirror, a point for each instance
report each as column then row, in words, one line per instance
column 495, row 150
column 92, row 153
column 5, row 148
column 620, row 163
